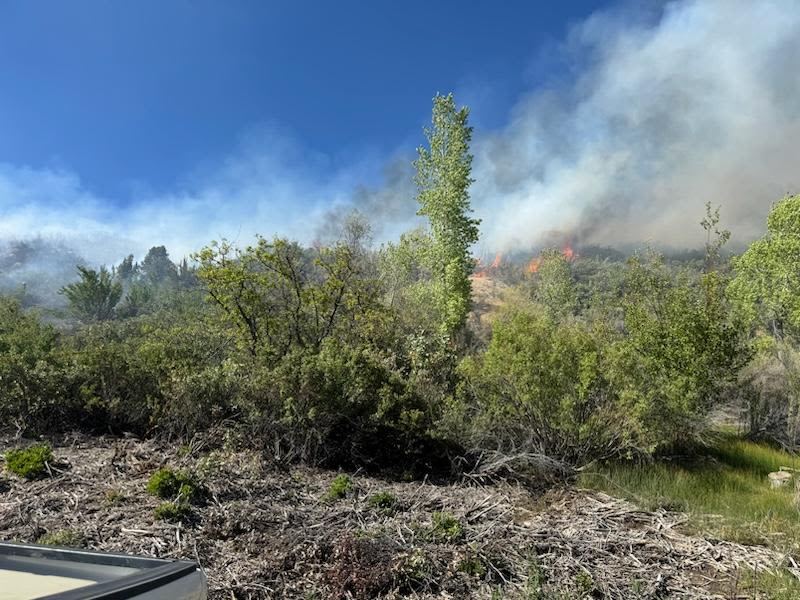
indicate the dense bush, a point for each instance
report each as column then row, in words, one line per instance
column 682, row 347
column 342, row 405
column 33, row 387
column 337, row 354
column 30, row 462
column 541, row 387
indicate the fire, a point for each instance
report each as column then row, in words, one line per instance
column 484, row 271
column 536, row 262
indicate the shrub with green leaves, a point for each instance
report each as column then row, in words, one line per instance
column 341, row 485
column 384, row 501
column 446, row 527
column 31, row 462
column 541, row 387
column 168, row 484
column 172, row 511
column 33, row 393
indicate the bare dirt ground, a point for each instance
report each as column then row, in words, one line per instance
column 269, row 532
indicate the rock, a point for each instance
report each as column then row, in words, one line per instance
column 779, row 478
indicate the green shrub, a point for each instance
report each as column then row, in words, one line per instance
column 65, row 537
column 31, row 462
column 384, row 501
column 172, row 511
column 446, row 527
column 541, row 387
column 473, row 566
column 341, row 485
column 33, row 394
column 166, row 483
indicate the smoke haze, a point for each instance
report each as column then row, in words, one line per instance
column 703, row 106
column 654, row 118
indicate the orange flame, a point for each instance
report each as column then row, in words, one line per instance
column 534, row 265
column 536, row 262
column 484, row 271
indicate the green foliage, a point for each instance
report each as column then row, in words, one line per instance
column 681, row 349
column 446, row 528
column 541, row 386
column 766, row 286
column 281, row 298
column 30, row 462
column 443, row 179
column 65, row 538
column 555, row 288
column 172, row 512
column 765, row 292
column 727, row 479
column 139, row 299
column 166, row 483
column 473, row 566
column 385, row 501
column 406, row 280
column 157, row 268
column 94, row 297
column 341, row 485
column 33, row 394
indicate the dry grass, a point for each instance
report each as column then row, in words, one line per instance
column 265, row 532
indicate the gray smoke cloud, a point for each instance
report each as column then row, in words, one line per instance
column 703, row 105
column 655, row 116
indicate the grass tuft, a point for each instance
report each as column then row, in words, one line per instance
column 66, row 538
column 168, row 484
column 446, row 527
column 172, row 511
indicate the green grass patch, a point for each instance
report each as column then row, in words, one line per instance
column 172, row 512
column 66, row 538
column 168, row 484
column 383, row 501
column 723, row 488
column 31, row 462
column 446, row 528
column 341, row 485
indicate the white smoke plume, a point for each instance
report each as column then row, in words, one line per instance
column 703, row 105
column 655, row 117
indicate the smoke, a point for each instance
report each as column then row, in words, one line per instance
column 654, row 117
column 703, row 105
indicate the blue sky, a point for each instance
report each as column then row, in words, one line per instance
column 130, row 124
column 132, row 94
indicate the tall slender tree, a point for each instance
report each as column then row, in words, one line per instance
column 443, row 180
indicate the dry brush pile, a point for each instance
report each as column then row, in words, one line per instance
column 266, row 532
